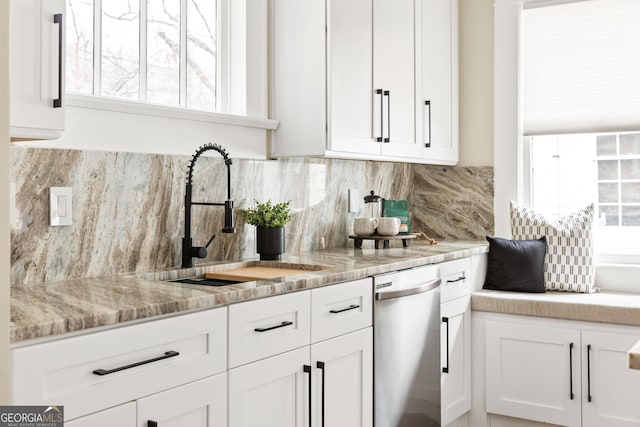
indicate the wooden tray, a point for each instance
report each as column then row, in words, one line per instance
column 249, row 274
column 357, row 240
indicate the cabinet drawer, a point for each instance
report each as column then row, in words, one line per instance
column 67, row 372
column 456, row 279
column 340, row 309
column 262, row 328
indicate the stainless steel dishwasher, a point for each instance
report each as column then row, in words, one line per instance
column 407, row 348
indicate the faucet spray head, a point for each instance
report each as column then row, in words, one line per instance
column 228, row 217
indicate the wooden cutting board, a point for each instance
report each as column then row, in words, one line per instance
column 248, row 274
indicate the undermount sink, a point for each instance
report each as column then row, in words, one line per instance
column 232, row 273
column 204, row 281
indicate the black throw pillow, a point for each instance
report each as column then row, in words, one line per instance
column 516, row 265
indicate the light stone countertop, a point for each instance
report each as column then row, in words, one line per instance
column 55, row 308
column 620, row 308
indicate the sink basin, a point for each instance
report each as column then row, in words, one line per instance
column 231, row 273
column 204, row 281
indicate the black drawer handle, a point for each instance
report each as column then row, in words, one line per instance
column 151, row 423
column 307, row 370
column 166, row 355
column 351, row 307
column 589, row 373
column 445, row 369
column 571, row 371
column 281, row 325
column 428, row 104
column 57, row 19
column 456, row 280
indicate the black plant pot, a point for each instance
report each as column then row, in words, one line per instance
column 270, row 243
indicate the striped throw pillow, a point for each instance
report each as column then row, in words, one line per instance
column 568, row 264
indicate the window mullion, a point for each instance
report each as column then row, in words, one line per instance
column 97, row 47
column 183, row 53
column 142, row 95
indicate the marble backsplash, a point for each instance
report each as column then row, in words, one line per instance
column 128, row 207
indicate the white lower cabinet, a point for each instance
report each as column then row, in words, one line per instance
column 295, row 360
column 272, row 392
column 342, row 392
column 533, row 372
column 199, row 404
column 331, row 381
column 455, row 340
column 609, row 387
column 120, row 416
column 571, row 376
column 455, row 377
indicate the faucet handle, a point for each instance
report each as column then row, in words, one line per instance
column 210, row 240
column 197, row 252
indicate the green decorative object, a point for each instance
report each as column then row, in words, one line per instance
column 399, row 209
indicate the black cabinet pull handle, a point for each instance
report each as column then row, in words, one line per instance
column 428, row 143
column 281, row 325
column 166, row 355
column 152, row 423
column 456, row 280
column 57, row 19
column 571, row 370
column 589, row 373
column 379, row 138
column 307, row 369
column 387, row 93
column 320, row 365
column 446, row 369
column 351, row 307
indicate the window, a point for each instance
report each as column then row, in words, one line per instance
column 571, row 171
column 155, row 51
column 581, row 114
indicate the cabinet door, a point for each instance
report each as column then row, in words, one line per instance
column 273, row 392
column 438, row 106
column 533, row 372
column 120, row 416
column 343, row 380
column 394, row 72
column 36, row 61
column 350, row 87
column 455, row 359
column 609, row 387
column 199, row 404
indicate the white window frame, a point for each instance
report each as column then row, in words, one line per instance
column 242, row 72
column 511, row 160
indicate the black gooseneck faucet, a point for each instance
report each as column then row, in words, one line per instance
column 188, row 250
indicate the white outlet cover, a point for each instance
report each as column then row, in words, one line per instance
column 60, row 206
column 355, row 200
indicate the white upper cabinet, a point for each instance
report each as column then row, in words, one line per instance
column 438, row 106
column 394, row 73
column 350, row 79
column 346, row 78
column 37, row 68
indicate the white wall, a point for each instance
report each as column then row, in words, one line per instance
column 476, row 82
column 4, row 197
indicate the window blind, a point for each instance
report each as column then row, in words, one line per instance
column 581, row 67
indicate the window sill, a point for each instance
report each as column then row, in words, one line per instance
column 133, row 107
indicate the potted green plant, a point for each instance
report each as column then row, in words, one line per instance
column 269, row 220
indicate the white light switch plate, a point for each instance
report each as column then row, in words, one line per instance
column 355, row 200
column 60, row 206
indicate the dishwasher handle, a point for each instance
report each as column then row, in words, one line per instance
column 425, row 287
